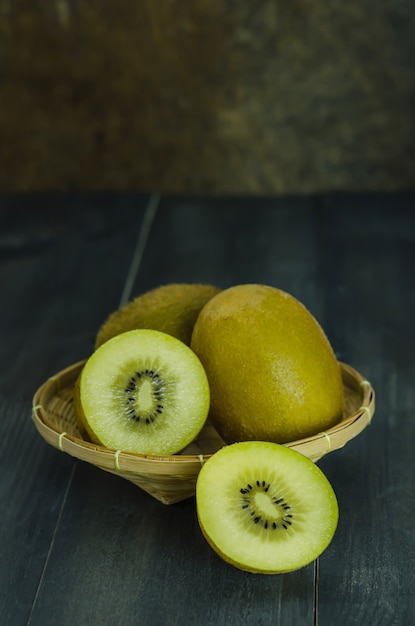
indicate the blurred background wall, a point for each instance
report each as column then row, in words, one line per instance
column 207, row 96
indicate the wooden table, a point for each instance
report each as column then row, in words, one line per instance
column 82, row 546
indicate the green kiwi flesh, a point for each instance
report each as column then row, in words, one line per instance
column 143, row 391
column 265, row 508
column 172, row 309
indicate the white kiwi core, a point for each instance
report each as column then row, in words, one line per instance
column 144, row 399
column 266, row 507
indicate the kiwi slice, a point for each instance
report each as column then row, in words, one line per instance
column 265, row 508
column 172, row 309
column 143, row 391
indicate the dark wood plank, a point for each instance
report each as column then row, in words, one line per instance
column 368, row 249
column 82, row 546
column 63, row 264
column 119, row 555
column 230, row 240
column 34, row 482
column 52, row 252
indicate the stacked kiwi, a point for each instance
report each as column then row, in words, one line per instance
column 254, row 360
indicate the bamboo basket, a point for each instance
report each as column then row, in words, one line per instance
column 172, row 478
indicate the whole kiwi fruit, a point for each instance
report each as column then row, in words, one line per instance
column 272, row 372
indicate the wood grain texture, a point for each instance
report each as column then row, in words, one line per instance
column 230, row 240
column 368, row 575
column 82, row 546
column 63, row 264
column 120, row 556
column 33, row 487
column 52, row 249
column 151, row 560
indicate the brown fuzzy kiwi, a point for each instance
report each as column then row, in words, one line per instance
column 172, row 309
column 272, row 372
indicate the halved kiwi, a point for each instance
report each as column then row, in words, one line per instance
column 143, row 391
column 265, row 508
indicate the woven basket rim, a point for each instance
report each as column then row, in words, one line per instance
column 181, row 465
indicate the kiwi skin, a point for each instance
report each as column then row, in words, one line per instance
column 82, row 423
column 272, row 372
column 171, row 308
column 230, row 561
column 227, row 559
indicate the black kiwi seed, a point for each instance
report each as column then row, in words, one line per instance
column 133, row 386
column 247, row 504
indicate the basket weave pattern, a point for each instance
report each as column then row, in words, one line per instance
column 173, row 478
